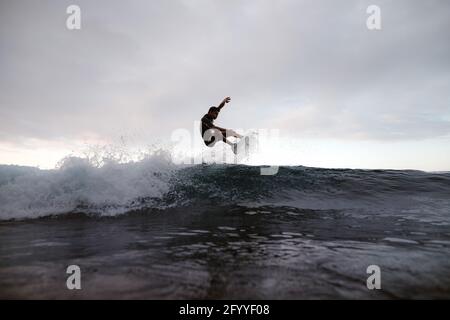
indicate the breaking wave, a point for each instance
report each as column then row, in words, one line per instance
column 155, row 182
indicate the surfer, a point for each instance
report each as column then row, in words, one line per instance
column 212, row 133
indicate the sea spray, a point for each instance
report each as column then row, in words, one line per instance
column 103, row 187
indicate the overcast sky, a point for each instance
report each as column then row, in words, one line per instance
column 141, row 69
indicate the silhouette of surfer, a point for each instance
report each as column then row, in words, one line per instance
column 212, row 133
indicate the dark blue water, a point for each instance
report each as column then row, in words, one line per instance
column 223, row 231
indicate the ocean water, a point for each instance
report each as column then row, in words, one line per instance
column 155, row 230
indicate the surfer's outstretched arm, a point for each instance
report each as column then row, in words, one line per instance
column 224, row 101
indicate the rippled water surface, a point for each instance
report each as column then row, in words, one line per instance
column 227, row 252
column 151, row 231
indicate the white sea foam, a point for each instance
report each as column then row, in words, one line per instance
column 107, row 189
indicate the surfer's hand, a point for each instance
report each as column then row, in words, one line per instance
column 224, row 101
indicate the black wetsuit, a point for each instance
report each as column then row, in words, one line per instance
column 208, row 123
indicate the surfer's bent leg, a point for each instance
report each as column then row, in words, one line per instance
column 211, row 136
column 225, row 136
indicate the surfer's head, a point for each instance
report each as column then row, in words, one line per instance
column 213, row 112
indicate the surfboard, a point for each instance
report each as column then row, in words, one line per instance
column 246, row 146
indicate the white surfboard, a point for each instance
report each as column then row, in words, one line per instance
column 246, row 146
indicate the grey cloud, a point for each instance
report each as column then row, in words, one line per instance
column 155, row 66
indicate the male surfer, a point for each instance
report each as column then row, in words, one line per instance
column 212, row 133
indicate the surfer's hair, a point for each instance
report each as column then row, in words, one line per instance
column 213, row 109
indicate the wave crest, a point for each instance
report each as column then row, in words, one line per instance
column 78, row 184
column 82, row 185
